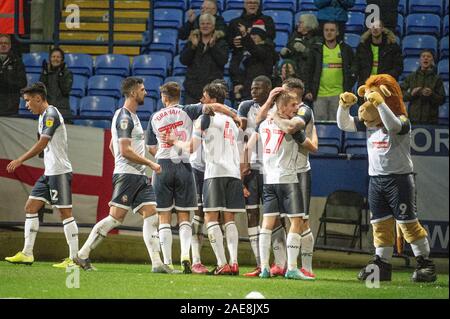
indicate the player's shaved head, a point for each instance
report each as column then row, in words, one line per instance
column 130, row 84
column 37, row 88
column 171, row 90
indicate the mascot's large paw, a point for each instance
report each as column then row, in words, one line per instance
column 375, row 98
column 347, row 99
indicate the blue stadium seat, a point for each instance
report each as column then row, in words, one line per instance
column 281, row 40
column 414, row 44
column 290, row 5
column 144, row 112
column 165, row 40
column 443, row 48
column 79, row 86
column 33, row 61
column 352, row 40
column 410, row 65
column 178, row 79
column 305, row 5
column 105, row 124
column 152, row 84
column 443, row 69
column 178, row 67
column 226, row 69
column 168, row 18
column 356, row 150
column 97, row 106
column 105, row 85
column 74, row 104
column 426, row 6
column 80, row 63
column 283, row 19
column 327, row 149
column 423, row 23
column 446, row 90
column 445, row 25
column 234, row 4
column 359, row 6
column 400, row 25
column 179, row 4
column 355, row 23
column 229, row 15
column 22, row 107
column 150, row 65
column 443, row 114
column 32, row 78
column 112, row 64
column 402, row 7
column 355, row 139
column 329, row 135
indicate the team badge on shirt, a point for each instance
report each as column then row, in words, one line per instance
column 124, row 124
column 49, row 121
column 302, row 111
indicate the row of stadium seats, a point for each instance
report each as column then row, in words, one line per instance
column 404, row 7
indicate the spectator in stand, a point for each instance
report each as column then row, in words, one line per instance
column 329, row 68
column 388, row 12
column 12, row 78
column 205, row 56
column 299, row 45
column 208, row 6
column 377, row 53
column 58, row 79
column 286, row 70
column 334, row 10
column 424, row 90
column 251, row 13
column 259, row 58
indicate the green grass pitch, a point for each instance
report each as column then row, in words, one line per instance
column 136, row 281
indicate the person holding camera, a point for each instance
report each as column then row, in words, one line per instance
column 205, row 56
column 12, row 78
column 58, row 79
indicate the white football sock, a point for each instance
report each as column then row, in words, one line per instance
column 385, row 253
column 264, row 247
column 253, row 236
column 197, row 238
column 98, row 233
column 71, row 232
column 185, row 232
column 421, row 247
column 165, row 238
column 279, row 246
column 232, row 236
column 151, row 239
column 307, row 249
column 293, row 248
column 216, row 239
column 30, row 232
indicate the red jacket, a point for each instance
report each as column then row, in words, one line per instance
column 7, row 17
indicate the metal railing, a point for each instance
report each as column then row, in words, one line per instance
column 56, row 31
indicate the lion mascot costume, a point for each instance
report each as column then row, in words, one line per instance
column 392, row 195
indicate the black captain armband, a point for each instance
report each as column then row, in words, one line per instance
column 406, row 125
column 300, row 136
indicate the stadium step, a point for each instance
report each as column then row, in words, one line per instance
column 122, row 27
column 120, row 16
column 124, row 5
column 98, row 50
column 95, row 36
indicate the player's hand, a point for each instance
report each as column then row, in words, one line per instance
column 245, row 169
column 246, row 192
column 208, row 109
column 347, row 99
column 375, row 98
column 237, row 120
column 274, row 93
column 13, row 165
column 168, row 138
column 156, row 168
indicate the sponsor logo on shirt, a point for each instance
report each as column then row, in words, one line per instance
column 382, row 144
column 49, row 121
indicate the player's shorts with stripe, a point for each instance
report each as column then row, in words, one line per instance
column 199, row 178
column 283, row 200
column 55, row 190
column 304, row 182
column 175, row 186
column 223, row 194
column 254, row 183
column 131, row 191
column 392, row 196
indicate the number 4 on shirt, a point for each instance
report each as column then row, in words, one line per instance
column 228, row 133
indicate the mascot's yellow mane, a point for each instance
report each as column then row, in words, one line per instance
column 395, row 101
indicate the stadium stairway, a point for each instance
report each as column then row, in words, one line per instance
column 130, row 20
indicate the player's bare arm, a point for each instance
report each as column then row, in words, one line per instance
column 127, row 151
column 32, row 152
column 220, row 108
column 289, row 126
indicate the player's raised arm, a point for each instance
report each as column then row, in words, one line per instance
column 264, row 110
column 32, row 152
